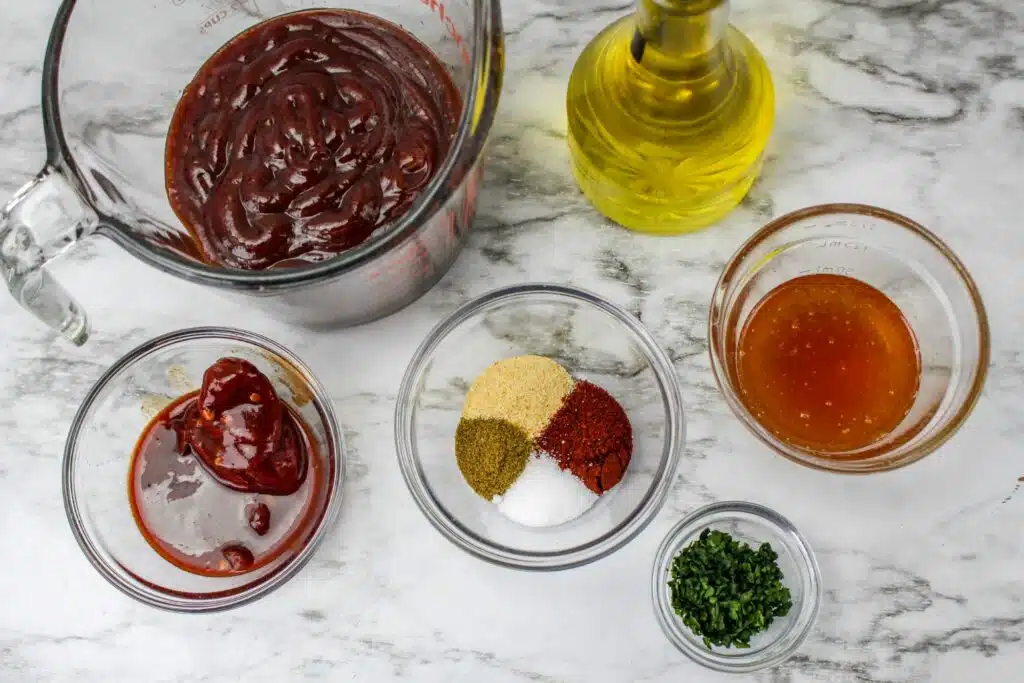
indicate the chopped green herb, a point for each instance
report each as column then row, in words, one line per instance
column 725, row 591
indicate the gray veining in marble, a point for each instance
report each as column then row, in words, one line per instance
column 914, row 105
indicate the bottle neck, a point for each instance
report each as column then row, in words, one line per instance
column 679, row 36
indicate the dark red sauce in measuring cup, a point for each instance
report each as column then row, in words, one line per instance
column 304, row 135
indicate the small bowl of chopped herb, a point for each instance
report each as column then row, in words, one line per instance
column 736, row 587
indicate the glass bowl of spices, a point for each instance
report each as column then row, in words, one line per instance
column 539, row 427
column 736, row 588
column 203, row 469
column 848, row 338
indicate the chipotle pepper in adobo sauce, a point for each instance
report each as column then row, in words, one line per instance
column 303, row 135
column 238, row 429
column 226, row 479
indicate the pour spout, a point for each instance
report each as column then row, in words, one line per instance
column 680, row 33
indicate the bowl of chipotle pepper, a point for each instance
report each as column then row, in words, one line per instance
column 203, row 469
column 539, row 427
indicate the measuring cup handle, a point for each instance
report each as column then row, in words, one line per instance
column 42, row 220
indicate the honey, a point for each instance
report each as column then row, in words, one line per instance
column 828, row 363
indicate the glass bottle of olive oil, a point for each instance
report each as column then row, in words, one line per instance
column 669, row 112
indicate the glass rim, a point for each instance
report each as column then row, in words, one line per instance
column 155, row 596
column 783, row 528
column 593, row 550
column 475, row 122
column 716, row 332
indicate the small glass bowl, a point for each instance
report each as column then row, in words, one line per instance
column 99, row 450
column 911, row 266
column 593, row 340
column 753, row 524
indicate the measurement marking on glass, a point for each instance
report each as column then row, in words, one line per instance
column 449, row 26
column 222, row 9
column 221, row 14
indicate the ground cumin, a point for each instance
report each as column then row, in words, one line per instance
column 491, row 454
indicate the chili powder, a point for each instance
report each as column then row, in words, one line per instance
column 590, row 436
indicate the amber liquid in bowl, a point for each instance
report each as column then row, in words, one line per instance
column 828, row 363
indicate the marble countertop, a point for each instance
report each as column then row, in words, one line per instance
column 913, row 105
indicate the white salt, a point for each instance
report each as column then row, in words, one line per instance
column 545, row 494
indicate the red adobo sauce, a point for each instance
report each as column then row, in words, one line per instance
column 305, row 134
column 225, row 479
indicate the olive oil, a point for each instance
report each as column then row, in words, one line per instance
column 669, row 112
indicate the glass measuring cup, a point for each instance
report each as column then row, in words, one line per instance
column 113, row 73
column 914, row 269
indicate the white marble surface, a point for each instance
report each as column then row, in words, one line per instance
column 914, row 105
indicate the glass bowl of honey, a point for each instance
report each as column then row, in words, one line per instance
column 848, row 338
column 203, row 469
